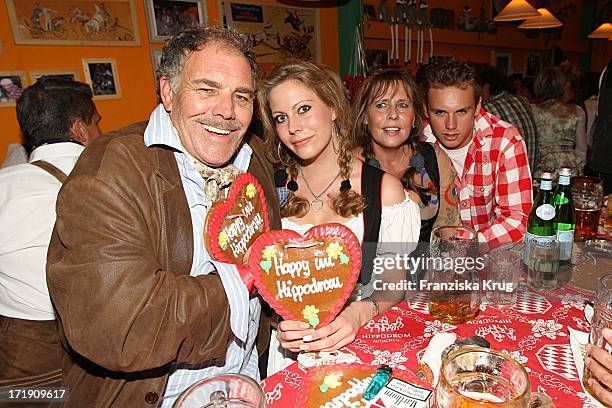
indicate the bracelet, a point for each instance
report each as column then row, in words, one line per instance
column 376, row 311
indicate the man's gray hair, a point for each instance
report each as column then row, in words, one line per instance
column 179, row 47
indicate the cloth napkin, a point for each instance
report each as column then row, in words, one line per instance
column 432, row 357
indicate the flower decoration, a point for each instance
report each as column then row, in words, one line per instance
column 311, row 313
column 269, row 252
column 223, row 240
column 334, row 249
column 331, row 381
column 251, row 190
column 417, row 161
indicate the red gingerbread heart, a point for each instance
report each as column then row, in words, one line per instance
column 233, row 224
column 343, row 385
column 307, row 278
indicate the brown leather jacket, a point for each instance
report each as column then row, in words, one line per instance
column 118, row 273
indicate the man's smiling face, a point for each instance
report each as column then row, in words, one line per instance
column 211, row 103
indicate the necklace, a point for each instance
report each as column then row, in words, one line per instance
column 316, row 204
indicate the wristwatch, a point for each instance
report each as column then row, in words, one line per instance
column 376, row 307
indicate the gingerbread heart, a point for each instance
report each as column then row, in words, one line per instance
column 343, row 385
column 233, row 224
column 307, row 278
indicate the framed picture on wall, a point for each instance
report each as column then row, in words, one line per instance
column 166, row 18
column 54, row 73
column 102, row 75
column 156, row 54
column 11, row 86
column 503, row 61
column 66, row 22
column 533, row 64
column 279, row 32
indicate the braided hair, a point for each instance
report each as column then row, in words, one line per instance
column 328, row 87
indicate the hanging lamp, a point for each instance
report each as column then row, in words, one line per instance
column 545, row 20
column 603, row 31
column 516, row 10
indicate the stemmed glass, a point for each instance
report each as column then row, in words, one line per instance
column 228, row 390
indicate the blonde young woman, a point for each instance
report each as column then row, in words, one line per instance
column 388, row 112
column 306, row 118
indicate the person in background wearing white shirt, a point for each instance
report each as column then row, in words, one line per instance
column 144, row 308
column 57, row 118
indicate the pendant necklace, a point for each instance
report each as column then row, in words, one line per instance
column 316, row 204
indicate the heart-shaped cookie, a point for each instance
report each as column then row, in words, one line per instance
column 343, row 385
column 233, row 224
column 307, row 278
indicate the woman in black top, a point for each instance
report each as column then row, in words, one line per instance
column 388, row 118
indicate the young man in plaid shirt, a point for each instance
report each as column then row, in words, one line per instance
column 489, row 155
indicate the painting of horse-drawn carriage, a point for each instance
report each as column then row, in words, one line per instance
column 278, row 32
column 71, row 22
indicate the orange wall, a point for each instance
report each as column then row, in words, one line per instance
column 133, row 63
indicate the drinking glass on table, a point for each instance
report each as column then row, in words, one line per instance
column 602, row 318
column 587, row 193
column 452, row 276
column 543, row 268
column 481, row 377
column 503, row 276
column 228, row 390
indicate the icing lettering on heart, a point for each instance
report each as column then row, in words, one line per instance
column 307, row 278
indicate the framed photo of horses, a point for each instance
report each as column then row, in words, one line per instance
column 68, row 22
column 169, row 17
column 279, row 32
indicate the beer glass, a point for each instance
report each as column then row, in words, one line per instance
column 602, row 318
column 587, row 193
column 453, row 276
column 480, row 377
column 503, row 276
column 227, row 390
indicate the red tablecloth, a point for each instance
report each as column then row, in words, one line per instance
column 534, row 331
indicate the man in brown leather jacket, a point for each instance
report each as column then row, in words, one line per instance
column 144, row 312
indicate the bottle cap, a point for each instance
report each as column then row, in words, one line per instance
column 546, row 175
column 565, row 171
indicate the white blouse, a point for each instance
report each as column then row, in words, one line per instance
column 398, row 223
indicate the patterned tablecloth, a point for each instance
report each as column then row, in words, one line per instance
column 534, row 331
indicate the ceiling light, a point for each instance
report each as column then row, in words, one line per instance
column 544, row 20
column 516, row 10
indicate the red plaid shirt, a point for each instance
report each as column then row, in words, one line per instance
column 495, row 194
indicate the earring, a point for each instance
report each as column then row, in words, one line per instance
column 334, row 136
column 280, row 158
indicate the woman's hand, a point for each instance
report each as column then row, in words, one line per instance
column 341, row 331
column 290, row 334
column 600, row 363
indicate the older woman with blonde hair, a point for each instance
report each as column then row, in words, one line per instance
column 306, row 118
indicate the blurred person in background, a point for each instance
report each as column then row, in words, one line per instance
column 561, row 126
column 599, row 163
column 514, row 109
column 58, row 118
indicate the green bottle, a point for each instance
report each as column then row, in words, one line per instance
column 565, row 219
column 541, row 221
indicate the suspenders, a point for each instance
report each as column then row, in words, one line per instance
column 51, row 169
